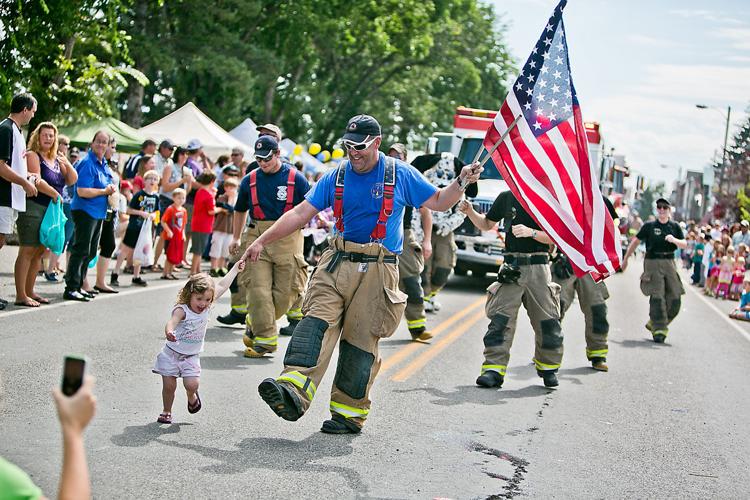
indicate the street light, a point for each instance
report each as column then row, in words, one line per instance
column 726, row 137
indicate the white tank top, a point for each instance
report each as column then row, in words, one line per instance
column 190, row 332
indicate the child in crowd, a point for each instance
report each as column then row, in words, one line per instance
column 143, row 209
column 725, row 275
column 221, row 237
column 738, row 277
column 708, row 252
column 743, row 312
column 185, row 332
column 204, row 208
column 714, row 266
column 697, row 259
column 123, row 200
column 173, row 231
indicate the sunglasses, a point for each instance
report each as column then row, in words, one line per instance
column 359, row 146
column 662, row 207
column 263, row 159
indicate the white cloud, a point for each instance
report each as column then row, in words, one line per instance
column 707, row 15
column 703, row 82
column 739, row 38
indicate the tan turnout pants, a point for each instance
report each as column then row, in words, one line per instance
column 536, row 291
column 271, row 283
column 410, row 267
column 661, row 282
column 438, row 267
column 592, row 299
column 353, row 307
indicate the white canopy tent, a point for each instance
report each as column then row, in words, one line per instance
column 245, row 132
column 188, row 123
column 311, row 163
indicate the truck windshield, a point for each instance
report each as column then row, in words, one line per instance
column 469, row 148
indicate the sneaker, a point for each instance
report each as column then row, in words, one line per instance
column 436, row 305
column 340, row 425
column 75, row 295
column 599, row 364
column 138, row 281
column 223, row 271
column 87, row 294
column 288, row 330
column 659, row 338
column 490, row 379
column 232, row 318
column 51, row 277
column 214, row 273
column 420, row 334
column 284, row 402
column 113, row 279
column 549, row 377
column 428, row 305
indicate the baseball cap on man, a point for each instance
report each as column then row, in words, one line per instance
column 265, row 146
column 399, row 148
column 663, row 201
column 744, row 223
column 230, row 169
column 270, row 127
column 361, row 127
column 166, row 143
column 194, row 145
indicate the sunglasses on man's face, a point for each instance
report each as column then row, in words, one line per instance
column 263, row 159
column 359, row 146
column 662, row 207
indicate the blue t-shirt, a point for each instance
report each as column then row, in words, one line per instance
column 744, row 300
column 271, row 191
column 363, row 197
column 92, row 173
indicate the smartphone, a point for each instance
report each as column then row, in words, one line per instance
column 73, row 370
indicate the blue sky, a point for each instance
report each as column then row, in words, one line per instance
column 640, row 67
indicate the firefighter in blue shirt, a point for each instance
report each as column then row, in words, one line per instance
column 353, row 298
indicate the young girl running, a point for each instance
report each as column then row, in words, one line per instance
column 185, row 332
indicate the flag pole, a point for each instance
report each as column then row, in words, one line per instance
column 497, row 144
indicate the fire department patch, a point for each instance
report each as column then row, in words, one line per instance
column 281, row 193
column 377, row 190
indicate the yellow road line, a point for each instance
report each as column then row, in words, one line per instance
column 420, row 361
column 407, row 351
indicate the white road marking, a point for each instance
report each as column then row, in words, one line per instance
column 731, row 322
column 99, row 298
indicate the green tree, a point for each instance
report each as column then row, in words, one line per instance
column 648, row 199
column 70, row 54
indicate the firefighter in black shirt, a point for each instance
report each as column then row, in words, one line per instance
column 660, row 280
column 524, row 279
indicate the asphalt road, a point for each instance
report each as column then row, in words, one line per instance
column 667, row 420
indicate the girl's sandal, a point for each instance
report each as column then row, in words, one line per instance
column 164, row 418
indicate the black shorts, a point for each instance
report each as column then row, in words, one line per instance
column 131, row 234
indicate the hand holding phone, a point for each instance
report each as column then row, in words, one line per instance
column 74, row 369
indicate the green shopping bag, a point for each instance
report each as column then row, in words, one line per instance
column 52, row 230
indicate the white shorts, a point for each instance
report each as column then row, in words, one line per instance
column 173, row 364
column 220, row 245
column 7, row 217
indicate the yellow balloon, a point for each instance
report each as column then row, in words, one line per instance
column 314, row 148
column 326, row 156
column 337, row 154
column 298, row 150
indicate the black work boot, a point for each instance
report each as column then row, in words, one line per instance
column 284, row 402
column 549, row 377
column 233, row 318
column 288, row 330
column 490, row 379
column 659, row 338
column 340, row 425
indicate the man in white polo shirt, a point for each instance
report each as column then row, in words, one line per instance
column 14, row 184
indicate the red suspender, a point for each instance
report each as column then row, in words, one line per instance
column 386, row 208
column 338, row 198
column 290, row 189
column 257, row 211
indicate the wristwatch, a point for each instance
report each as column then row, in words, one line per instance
column 533, row 234
column 462, row 184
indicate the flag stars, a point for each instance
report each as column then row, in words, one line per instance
column 547, row 42
column 549, row 27
column 546, row 55
column 542, row 83
column 544, row 70
column 532, row 64
column 537, row 125
column 555, row 88
column 531, row 78
column 519, row 86
column 552, row 116
column 560, row 46
column 540, row 97
column 529, row 91
column 567, row 108
column 527, row 106
column 553, row 103
column 557, row 75
column 558, row 60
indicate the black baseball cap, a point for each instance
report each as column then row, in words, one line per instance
column 265, row 146
column 166, row 143
column 230, row 169
column 361, row 127
column 663, row 201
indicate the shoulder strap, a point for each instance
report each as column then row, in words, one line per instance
column 338, row 197
column 386, row 208
column 257, row 211
column 290, row 182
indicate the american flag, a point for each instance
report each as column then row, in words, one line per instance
column 545, row 160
